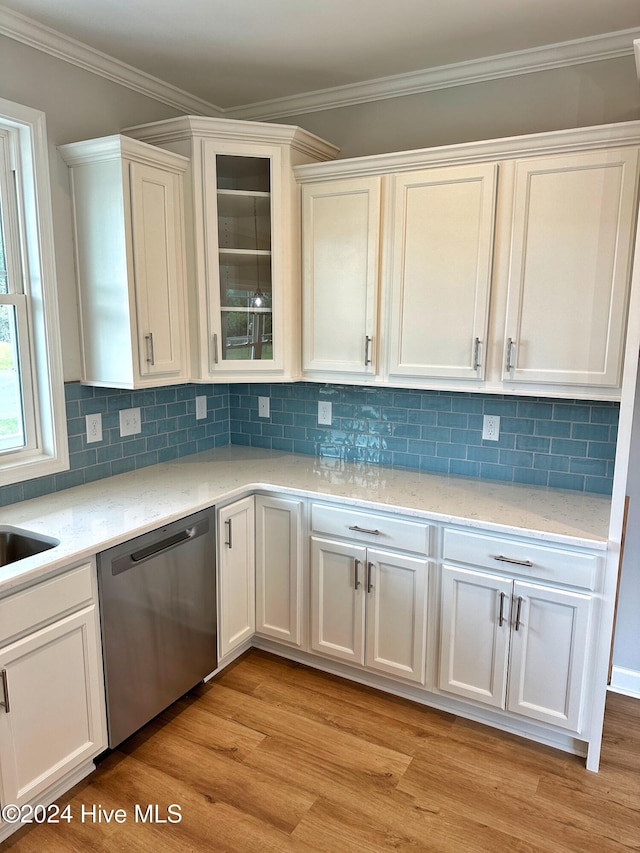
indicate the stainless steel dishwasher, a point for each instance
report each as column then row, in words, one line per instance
column 158, row 616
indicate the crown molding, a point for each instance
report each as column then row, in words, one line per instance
column 36, row 35
column 578, row 52
column 563, row 54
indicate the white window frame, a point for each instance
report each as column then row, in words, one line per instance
column 28, row 231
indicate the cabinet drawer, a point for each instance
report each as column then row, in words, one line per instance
column 543, row 562
column 371, row 528
column 27, row 610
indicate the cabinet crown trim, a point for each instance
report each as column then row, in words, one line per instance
column 510, row 147
column 118, row 146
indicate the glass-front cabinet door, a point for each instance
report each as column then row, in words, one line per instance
column 242, row 231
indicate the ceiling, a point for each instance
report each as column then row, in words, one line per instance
column 235, row 52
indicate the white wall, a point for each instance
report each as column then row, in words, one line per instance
column 78, row 105
column 580, row 96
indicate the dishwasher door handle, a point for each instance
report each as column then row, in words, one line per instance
column 127, row 561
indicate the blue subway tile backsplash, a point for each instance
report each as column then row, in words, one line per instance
column 567, row 444
column 558, row 443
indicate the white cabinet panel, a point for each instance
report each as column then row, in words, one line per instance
column 548, row 655
column 279, row 567
column 338, row 599
column 236, row 574
column 475, row 635
column 441, row 273
column 55, row 717
column 571, row 247
column 341, row 234
column 396, row 616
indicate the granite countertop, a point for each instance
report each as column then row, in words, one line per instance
column 87, row 519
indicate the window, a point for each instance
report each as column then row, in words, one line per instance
column 33, row 440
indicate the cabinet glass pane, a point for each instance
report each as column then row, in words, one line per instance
column 244, row 242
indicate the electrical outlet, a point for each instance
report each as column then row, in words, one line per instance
column 94, row 427
column 491, row 428
column 130, row 422
column 201, row 408
column 263, row 407
column 324, row 413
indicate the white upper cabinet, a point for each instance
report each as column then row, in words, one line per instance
column 505, row 265
column 442, row 248
column 130, row 261
column 572, row 236
column 243, row 221
column 340, row 250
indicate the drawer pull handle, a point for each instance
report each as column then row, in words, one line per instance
column 501, row 616
column 509, row 365
column 503, row 559
column 367, row 345
column 5, row 690
column 369, row 573
column 151, row 359
column 476, row 354
column 356, row 573
column 364, row 530
column 229, row 540
column 518, row 611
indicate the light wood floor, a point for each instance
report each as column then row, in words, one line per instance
column 271, row 756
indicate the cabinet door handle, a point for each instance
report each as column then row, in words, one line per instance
column 228, row 540
column 364, row 530
column 5, row 690
column 356, row 566
column 501, row 615
column 369, row 574
column 151, row 359
column 518, row 612
column 367, row 347
column 214, row 347
column 509, row 365
column 503, row 559
column 476, row 354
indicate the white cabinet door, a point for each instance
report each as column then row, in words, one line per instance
column 396, row 589
column 338, row 599
column 474, row 635
column 441, row 271
column 156, row 226
column 548, row 654
column 341, row 236
column 573, row 223
column 52, row 719
column 236, row 574
column 279, row 567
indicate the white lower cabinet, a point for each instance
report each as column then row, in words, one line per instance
column 52, row 719
column 236, row 575
column 368, row 607
column 279, row 565
column 514, row 645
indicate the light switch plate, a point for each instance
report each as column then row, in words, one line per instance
column 263, row 407
column 130, row 422
column 201, row 408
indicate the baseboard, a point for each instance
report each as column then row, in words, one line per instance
column 625, row 681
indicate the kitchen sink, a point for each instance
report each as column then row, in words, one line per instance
column 16, row 544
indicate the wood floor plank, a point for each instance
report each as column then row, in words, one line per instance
column 273, row 756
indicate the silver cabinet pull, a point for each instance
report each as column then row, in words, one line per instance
column 356, row 573
column 502, row 559
column 214, row 347
column 509, row 365
column 364, row 530
column 369, row 574
column 5, row 690
column 367, row 346
column 229, row 540
column 476, row 354
column 518, row 612
column 501, row 616
column 151, row 359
